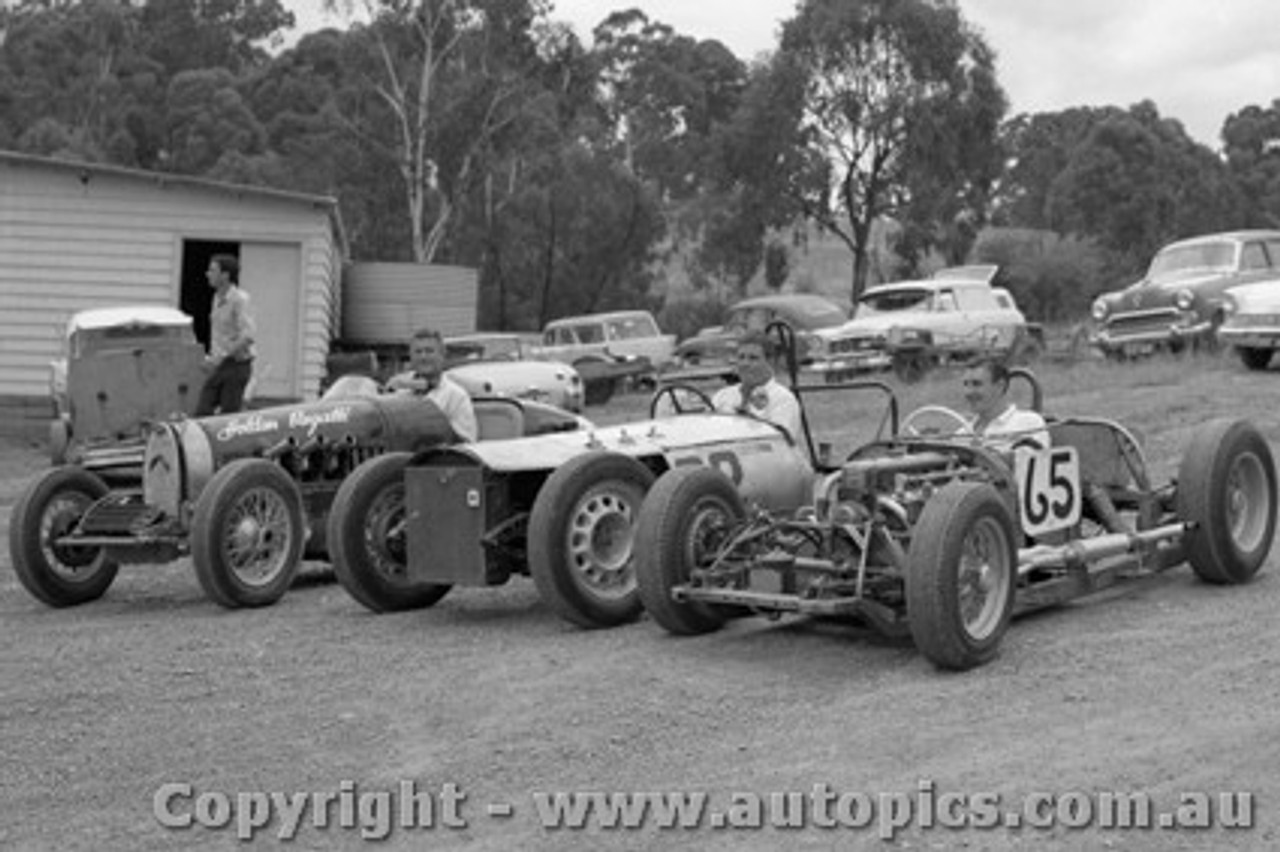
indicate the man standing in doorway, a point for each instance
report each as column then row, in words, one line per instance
column 231, row 331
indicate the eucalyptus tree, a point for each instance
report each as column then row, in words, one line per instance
column 891, row 109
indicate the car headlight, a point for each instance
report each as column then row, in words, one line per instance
column 812, row 346
column 1229, row 305
column 1184, row 300
column 1100, row 309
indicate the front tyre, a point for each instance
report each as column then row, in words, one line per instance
column 368, row 542
column 247, row 534
column 1227, row 492
column 49, row 509
column 961, row 575
column 581, row 536
column 682, row 525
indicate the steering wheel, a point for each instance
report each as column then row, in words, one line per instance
column 678, row 391
column 934, row 420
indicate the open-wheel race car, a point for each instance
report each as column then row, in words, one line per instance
column 245, row 495
column 405, row 528
column 925, row 532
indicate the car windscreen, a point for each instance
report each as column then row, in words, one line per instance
column 892, row 301
column 482, row 349
column 632, row 328
column 1177, row 260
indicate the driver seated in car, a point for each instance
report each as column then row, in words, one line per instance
column 758, row 393
column 996, row 420
column 425, row 377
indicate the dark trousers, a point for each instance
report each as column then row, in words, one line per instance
column 223, row 391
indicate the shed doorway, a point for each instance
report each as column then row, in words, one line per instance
column 271, row 273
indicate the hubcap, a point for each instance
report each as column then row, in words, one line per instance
column 258, row 537
column 600, row 538
column 1248, row 501
column 384, row 534
column 984, row 577
column 707, row 530
column 60, row 517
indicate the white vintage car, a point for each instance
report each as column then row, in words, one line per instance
column 1252, row 322
column 911, row 325
column 503, row 364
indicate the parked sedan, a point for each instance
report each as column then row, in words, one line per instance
column 501, row 365
column 1252, row 324
column 1182, row 298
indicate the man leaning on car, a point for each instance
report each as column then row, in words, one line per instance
column 425, row 377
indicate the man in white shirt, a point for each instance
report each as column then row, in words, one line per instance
column 231, row 332
column 425, row 377
column 757, row 392
column 1001, row 424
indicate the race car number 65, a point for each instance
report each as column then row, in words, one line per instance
column 1048, row 488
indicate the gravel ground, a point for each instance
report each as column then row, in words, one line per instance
column 1162, row 688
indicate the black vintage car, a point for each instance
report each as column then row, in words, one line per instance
column 805, row 312
column 246, row 495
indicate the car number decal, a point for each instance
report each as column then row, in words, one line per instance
column 726, row 461
column 1049, row 495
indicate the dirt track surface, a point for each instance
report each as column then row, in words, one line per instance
column 1161, row 688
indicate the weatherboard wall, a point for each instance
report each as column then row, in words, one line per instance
column 76, row 236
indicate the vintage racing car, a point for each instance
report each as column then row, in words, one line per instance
column 244, row 494
column 405, row 528
column 926, row 532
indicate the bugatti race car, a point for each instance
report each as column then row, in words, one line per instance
column 244, row 494
column 406, row 528
column 926, row 532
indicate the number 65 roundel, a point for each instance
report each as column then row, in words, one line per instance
column 1048, row 483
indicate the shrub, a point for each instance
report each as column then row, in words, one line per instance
column 687, row 316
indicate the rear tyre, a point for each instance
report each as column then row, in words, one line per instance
column 247, row 534
column 368, row 542
column 50, row 508
column 961, row 575
column 683, row 522
column 1227, row 491
column 1254, row 358
column 581, row 538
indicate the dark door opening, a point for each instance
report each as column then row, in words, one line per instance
column 197, row 297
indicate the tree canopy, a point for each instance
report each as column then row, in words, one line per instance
column 581, row 176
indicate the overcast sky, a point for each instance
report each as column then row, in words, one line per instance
column 1198, row 60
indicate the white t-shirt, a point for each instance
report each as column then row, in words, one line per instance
column 1013, row 427
column 771, row 401
column 453, row 401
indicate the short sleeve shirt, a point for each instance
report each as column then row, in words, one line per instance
column 771, row 401
column 455, row 403
column 1013, row 427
